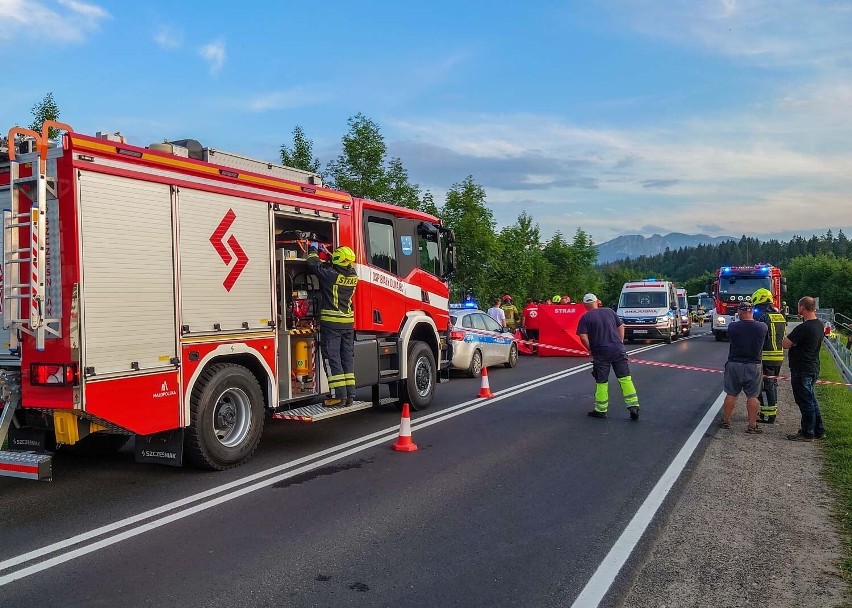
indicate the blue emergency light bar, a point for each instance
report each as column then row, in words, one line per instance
column 466, row 305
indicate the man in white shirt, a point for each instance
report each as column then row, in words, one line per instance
column 496, row 313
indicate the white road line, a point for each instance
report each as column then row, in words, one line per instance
column 333, row 454
column 69, row 542
column 602, row 579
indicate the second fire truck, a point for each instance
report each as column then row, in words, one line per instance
column 163, row 293
column 734, row 284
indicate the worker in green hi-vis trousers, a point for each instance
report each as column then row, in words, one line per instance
column 602, row 332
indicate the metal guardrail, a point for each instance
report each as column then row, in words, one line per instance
column 837, row 345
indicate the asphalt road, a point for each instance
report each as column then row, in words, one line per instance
column 513, row 501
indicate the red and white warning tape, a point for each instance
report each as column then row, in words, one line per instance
column 691, row 368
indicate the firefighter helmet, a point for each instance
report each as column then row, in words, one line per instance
column 507, row 298
column 761, row 296
column 343, row 256
column 556, row 299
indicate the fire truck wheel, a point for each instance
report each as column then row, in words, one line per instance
column 513, row 357
column 227, row 418
column 475, row 367
column 419, row 387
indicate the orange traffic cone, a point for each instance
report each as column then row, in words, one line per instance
column 404, row 442
column 484, row 388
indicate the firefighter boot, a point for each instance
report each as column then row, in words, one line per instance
column 631, row 399
column 767, row 413
column 601, row 400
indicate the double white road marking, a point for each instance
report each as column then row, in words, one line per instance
column 31, row 562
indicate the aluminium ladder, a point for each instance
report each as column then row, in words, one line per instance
column 24, row 266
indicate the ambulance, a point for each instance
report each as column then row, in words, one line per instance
column 649, row 310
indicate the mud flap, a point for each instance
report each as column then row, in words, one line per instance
column 161, row 448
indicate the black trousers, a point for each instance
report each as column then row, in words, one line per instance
column 337, row 344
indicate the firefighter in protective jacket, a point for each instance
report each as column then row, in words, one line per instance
column 773, row 353
column 513, row 317
column 337, row 319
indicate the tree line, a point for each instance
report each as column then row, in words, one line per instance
column 817, row 266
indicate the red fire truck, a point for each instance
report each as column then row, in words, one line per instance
column 734, row 284
column 163, row 293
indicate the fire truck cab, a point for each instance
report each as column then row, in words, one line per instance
column 735, row 284
column 163, row 293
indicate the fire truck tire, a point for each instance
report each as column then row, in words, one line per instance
column 227, row 415
column 719, row 336
column 419, row 387
column 513, row 357
column 475, row 367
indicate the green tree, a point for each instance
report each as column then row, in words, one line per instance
column 399, row 190
column 359, row 170
column 465, row 213
column 46, row 109
column 362, row 169
column 301, row 155
column 698, row 284
column 427, row 205
column 519, row 265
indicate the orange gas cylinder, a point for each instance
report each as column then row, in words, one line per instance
column 300, row 358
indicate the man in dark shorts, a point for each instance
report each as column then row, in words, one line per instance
column 803, row 344
column 743, row 371
column 602, row 332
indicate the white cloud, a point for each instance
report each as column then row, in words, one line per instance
column 72, row 21
column 781, row 166
column 168, row 37
column 286, row 99
column 763, row 32
column 214, row 54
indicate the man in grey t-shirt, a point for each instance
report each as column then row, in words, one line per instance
column 743, row 371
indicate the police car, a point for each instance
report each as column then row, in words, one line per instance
column 478, row 340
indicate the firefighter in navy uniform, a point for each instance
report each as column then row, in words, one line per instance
column 773, row 353
column 337, row 320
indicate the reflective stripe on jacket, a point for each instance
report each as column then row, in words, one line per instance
column 777, row 324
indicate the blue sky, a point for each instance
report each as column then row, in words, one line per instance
column 617, row 116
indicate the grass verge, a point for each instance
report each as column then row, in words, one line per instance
column 836, row 405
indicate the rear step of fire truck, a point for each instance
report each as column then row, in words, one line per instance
column 318, row 411
column 20, row 262
column 26, row 465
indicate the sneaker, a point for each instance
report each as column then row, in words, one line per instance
column 597, row 414
column 634, row 412
column 800, row 437
column 799, row 432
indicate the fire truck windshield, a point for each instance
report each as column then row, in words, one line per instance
column 650, row 299
column 741, row 286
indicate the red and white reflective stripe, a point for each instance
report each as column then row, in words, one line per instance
column 35, row 217
column 26, row 469
column 480, row 332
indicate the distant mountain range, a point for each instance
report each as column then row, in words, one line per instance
column 634, row 245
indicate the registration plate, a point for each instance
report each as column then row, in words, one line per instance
column 640, row 331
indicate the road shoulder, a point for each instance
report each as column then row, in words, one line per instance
column 753, row 527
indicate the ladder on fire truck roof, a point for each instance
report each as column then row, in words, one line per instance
column 24, row 301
